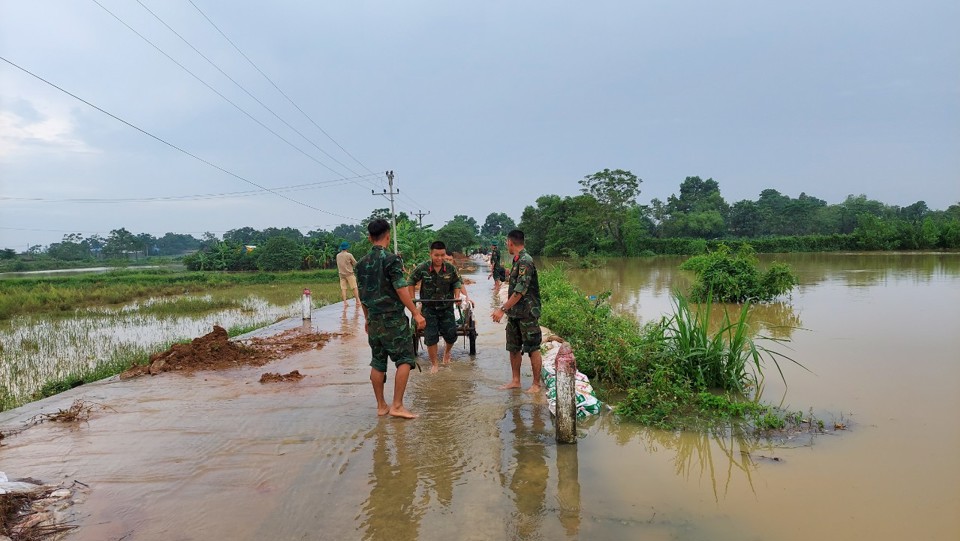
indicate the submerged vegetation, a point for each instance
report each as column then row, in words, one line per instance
column 119, row 319
column 64, row 294
column 676, row 372
column 728, row 276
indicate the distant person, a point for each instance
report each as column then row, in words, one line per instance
column 497, row 272
column 440, row 286
column 523, row 313
column 384, row 294
column 345, row 265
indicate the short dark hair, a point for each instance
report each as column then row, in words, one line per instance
column 516, row 236
column 378, row 228
column 449, row 253
column 438, row 245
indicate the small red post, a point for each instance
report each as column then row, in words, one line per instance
column 307, row 304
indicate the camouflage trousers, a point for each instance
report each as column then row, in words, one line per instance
column 440, row 322
column 523, row 334
column 389, row 335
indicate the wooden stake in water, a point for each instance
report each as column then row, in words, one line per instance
column 566, row 418
column 307, row 304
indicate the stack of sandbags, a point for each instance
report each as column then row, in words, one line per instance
column 587, row 403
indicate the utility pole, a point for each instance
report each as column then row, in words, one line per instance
column 393, row 216
column 420, row 214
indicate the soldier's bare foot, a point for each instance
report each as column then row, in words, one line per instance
column 383, row 410
column 402, row 413
column 446, row 359
column 434, row 368
column 511, row 385
column 534, row 389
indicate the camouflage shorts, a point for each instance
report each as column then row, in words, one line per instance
column 439, row 323
column 523, row 335
column 500, row 274
column 390, row 336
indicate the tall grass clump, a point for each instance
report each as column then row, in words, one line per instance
column 676, row 372
column 729, row 276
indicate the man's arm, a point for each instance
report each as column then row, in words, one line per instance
column 404, row 293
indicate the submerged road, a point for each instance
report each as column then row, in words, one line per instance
column 220, row 456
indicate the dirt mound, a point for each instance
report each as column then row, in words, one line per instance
column 270, row 377
column 215, row 351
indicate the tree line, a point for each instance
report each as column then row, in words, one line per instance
column 606, row 219
column 250, row 249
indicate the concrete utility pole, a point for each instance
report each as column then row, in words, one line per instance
column 566, row 417
column 420, row 214
column 393, row 216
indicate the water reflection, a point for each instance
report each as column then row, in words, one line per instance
column 349, row 319
column 568, row 488
column 528, row 464
column 389, row 512
column 720, row 455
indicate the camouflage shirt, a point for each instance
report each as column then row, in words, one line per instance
column 495, row 258
column 379, row 275
column 523, row 280
column 436, row 285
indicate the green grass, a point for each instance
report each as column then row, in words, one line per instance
column 677, row 372
column 64, row 294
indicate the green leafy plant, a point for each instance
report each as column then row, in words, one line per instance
column 729, row 276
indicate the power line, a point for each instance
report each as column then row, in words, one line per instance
column 171, row 145
column 241, row 87
column 215, row 91
column 197, row 197
column 282, row 93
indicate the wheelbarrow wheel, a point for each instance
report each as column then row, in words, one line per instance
column 473, row 336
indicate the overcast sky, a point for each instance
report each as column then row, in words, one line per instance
column 478, row 107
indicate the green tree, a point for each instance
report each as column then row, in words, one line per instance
column 244, row 236
column 279, row 253
column 458, row 235
column 745, row 219
column 698, row 211
column 615, row 192
column 536, row 221
column 120, row 242
column 497, row 225
column 73, row 247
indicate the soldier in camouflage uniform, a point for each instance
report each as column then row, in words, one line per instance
column 523, row 313
column 439, row 281
column 383, row 295
column 497, row 272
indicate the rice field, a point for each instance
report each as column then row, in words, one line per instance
column 42, row 354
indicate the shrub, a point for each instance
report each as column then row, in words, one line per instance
column 735, row 277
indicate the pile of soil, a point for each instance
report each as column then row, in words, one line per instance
column 270, row 377
column 215, row 351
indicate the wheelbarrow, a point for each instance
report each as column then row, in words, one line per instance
column 466, row 324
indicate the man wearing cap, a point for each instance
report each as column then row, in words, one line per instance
column 345, row 265
column 497, row 272
column 440, row 286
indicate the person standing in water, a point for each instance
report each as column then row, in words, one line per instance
column 440, row 288
column 348, row 280
column 383, row 295
column 523, row 313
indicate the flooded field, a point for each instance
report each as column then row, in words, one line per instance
column 219, row 455
column 38, row 349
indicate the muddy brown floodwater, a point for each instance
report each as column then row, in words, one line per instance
column 217, row 455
